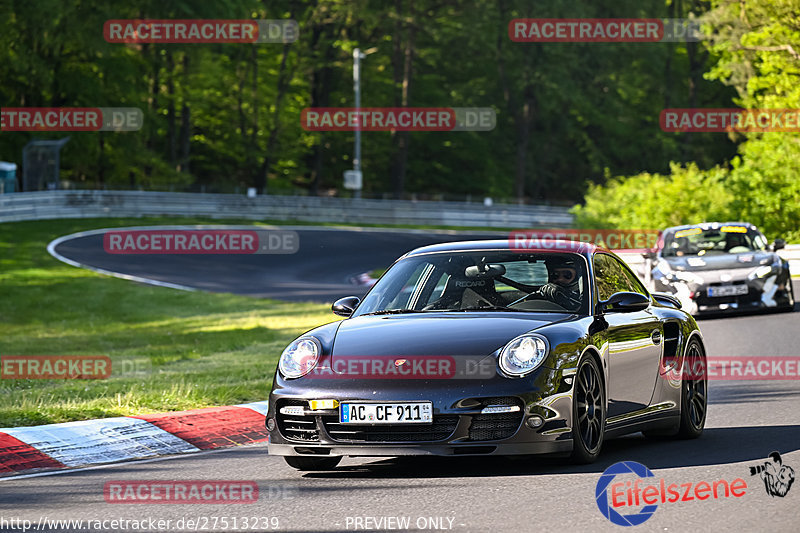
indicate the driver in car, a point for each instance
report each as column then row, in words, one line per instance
column 563, row 287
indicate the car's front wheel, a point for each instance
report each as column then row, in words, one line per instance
column 588, row 412
column 311, row 464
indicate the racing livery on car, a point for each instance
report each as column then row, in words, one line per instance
column 721, row 267
column 477, row 348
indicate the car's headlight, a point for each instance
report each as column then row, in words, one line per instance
column 662, row 268
column 761, row 272
column 300, row 357
column 523, row 354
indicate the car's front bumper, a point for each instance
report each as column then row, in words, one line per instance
column 762, row 295
column 458, row 428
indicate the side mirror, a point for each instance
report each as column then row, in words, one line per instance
column 345, row 306
column 625, row 302
column 779, row 244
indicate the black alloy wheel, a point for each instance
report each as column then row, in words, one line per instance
column 694, row 394
column 589, row 412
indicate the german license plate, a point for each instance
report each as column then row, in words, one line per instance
column 386, row 413
column 727, row 290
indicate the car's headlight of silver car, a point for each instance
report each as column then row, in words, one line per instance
column 524, row 354
column 662, row 269
column 763, row 271
column 300, row 357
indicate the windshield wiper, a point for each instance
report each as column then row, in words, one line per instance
column 393, row 312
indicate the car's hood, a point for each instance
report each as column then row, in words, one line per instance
column 437, row 334
column 694, row 263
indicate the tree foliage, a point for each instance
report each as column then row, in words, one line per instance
column 757, row 49
column 227, row 116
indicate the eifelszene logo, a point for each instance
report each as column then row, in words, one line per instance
column 777, row 477
column 632, row 494
column 607, row 508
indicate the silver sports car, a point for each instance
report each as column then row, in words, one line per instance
column 720, row 267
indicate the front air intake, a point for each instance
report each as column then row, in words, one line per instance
column 296, row 426
column 499, row 425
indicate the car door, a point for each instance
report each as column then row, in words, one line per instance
column 634, row 340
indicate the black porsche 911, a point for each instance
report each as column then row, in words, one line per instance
column 478, row 348
column 722, row 267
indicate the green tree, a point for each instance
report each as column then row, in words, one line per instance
column 755, row 48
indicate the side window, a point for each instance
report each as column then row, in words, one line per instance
column 610, row 276
column 634, row 281
column 523, row 272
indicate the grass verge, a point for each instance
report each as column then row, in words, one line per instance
column 170, row 349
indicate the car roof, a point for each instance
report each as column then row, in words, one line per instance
column 710, row 225
column 541, row 245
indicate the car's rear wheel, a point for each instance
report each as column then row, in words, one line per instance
column 694, row 394
column 694, row 398
column 588, row 412
column 310, row 464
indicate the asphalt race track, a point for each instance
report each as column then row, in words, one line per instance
column 746, row 421
column 321, row 270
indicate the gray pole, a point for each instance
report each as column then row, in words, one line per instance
column 357, row 56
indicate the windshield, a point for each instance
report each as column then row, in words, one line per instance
column 482, row 281
column 729, row 239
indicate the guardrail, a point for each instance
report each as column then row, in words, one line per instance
column 44, row 205
column 85, row 204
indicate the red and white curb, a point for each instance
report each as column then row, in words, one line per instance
column 108, row 440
